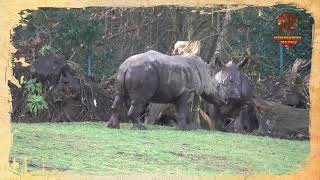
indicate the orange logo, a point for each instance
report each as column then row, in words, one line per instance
column 287, row 26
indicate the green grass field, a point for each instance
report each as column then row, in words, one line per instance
column 92, row 148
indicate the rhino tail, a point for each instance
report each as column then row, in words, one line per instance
column 120, row 82
column 120, row 90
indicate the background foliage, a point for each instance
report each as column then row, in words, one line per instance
column 106, row 36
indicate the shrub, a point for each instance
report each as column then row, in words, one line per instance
column 33, row 87
column 36, row 103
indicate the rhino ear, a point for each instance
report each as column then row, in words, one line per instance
column 243, row 63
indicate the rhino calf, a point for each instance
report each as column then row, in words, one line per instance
column 180, row 80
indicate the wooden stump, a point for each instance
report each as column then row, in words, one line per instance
column 155, row 112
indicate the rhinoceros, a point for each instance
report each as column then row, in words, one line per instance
column 231, row 81
column 180, row 80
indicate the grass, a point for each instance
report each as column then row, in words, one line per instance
column 90, row 147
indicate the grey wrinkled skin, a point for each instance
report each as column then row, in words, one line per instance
column 159, row 78
column 234, row 88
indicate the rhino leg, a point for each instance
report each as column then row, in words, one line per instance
column 246, row 121
column 195, row 111
column 220, row 123
column 134, row 114
column 184, row 114
column 114, row 119
column 217, row 116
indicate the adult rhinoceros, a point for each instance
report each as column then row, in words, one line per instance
column 180, row 80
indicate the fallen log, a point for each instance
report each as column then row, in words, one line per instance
column 279, row 120
column 275, row 119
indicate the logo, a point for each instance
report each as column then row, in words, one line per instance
column 287, row 26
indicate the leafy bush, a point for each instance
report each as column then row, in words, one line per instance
column 36, row 103
column 33, row 87
column 59, row 29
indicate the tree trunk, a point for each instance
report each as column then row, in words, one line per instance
column 278, row 120
column 219, row 52
column 178, row 24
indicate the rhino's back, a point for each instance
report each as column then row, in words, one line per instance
column 175, row 74
column 154, row 57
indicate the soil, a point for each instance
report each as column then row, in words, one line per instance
column 70, row 94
